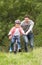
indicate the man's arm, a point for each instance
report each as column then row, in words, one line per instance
column 30, row 28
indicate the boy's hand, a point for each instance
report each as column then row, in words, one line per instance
column 10, row 37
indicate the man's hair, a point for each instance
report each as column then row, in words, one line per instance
column 26, row 16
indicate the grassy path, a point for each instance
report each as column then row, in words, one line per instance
column 31, row 58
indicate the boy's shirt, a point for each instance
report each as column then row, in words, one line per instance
column 16, row 31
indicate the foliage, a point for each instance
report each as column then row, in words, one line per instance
column 10, row 10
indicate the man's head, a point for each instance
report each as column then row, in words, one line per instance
column 26, row 18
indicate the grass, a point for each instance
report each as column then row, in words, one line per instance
column 31, row 58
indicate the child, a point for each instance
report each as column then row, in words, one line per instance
column 15, row 33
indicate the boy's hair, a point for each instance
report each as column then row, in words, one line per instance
column 17, row 21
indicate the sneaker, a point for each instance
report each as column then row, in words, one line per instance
column 19, row 50
column 10, row 50
column 26, row 49
column 15, row 52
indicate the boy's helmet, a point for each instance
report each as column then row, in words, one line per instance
column 17, row 21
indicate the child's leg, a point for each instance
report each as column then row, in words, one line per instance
column 18, row 41
column 11, row 45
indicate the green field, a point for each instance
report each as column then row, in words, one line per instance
column 31, row 58
column 11, row 10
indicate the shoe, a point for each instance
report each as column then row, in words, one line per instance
column 10, row 50
column 26, row 49
column 15, row 52
column 19, row 50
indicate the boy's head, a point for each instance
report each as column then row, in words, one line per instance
column 17, row 23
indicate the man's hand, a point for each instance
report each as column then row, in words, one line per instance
column 26, row 33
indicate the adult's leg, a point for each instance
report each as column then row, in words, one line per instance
column 25, row 42
column 31, row 39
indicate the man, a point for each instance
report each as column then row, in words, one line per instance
column 27, row 25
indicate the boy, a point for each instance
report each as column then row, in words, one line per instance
column 15, row 33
